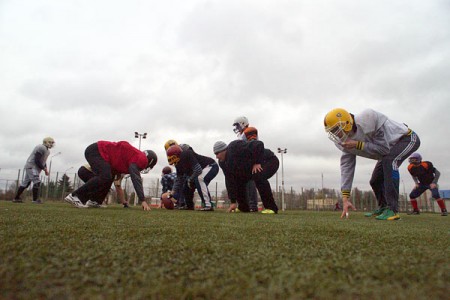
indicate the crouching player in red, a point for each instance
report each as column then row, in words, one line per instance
column 108, row 159
column 425, row 176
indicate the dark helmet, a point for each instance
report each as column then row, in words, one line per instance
column 152, row 160
column 173, row 154
column 415, row 158
column 167, row 170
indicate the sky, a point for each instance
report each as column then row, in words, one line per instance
column 82, row 71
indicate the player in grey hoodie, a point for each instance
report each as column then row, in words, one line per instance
column 372, row 135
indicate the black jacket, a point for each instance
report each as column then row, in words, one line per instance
column 238, row 164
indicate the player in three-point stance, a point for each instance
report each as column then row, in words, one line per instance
column 36, row 163
column 108, row 159
column 194, row 171
column 242, row 161
column 372, row 135
column 425, row 177
column 85, row 173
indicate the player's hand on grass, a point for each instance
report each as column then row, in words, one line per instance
column 145, row 206
column 345, row 207
column 232, row 207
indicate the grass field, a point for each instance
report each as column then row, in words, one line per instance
column 55, row 251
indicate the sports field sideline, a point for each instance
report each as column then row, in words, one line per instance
column 55, row 251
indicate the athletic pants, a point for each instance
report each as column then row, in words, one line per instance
column 269, row 168
column 99, row 184
column 201, row 183
column 385, row 181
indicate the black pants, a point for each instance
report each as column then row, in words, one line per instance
column 252, row 195
column 385, row 181
column 270, row 167
column 99, row 184
column 85, row 175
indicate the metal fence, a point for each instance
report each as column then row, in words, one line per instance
column 56, row 186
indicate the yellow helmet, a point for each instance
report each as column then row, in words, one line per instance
column 170, row 143
column 338, row 124
column 48, row 142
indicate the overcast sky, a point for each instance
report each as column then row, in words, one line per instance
column 88, row 70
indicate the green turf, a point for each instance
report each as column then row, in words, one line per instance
column 55, row 251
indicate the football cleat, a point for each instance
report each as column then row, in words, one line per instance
column 75, row 201
column 207, row 209
column 388, row 215
column 376, row 212
column 92, row 204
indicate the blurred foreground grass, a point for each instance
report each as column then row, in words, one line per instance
column 55, row 251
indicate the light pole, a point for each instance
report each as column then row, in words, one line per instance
column 140, row 136
column 49, row 173
column 282, row 151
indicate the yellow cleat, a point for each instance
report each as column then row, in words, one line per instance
column 268, row 211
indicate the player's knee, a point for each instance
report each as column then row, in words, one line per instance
column 105, row 178
column 26, row 185
column 414, row 195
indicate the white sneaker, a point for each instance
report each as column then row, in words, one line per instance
column 94, row 204
column 75, row 201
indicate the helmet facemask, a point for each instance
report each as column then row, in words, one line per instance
column 237, row 128
column 48, row 142
column 239, row 124
column 173, row 159
column 337, row 133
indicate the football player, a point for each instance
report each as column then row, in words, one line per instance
column 194, row 171
column 246, row 133
column 243, row 130
column 372, row 135
column 425, row 177
column 242, row 161
column 36, row 163
column 167, row 180
column 85, row 173
column 108, row 159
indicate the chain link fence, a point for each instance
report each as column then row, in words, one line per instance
column 56, row 186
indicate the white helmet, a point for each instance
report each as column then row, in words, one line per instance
column 48, row 142
column 239, row 124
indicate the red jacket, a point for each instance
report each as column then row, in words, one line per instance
column 121, row 155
